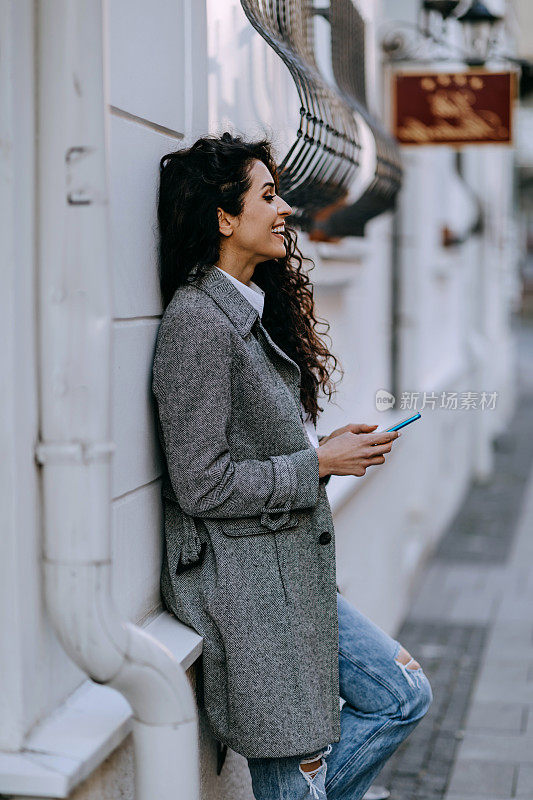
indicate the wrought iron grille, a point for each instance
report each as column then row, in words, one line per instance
column 348, row 62
column 324, row 158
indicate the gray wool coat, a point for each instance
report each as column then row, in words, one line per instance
column 249, row 558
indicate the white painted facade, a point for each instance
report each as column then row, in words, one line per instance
column 176, row 69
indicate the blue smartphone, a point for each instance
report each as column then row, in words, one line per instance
column 405, row 422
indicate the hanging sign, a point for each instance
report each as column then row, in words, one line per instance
column 453, row 108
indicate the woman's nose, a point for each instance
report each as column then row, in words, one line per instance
column 284, row 209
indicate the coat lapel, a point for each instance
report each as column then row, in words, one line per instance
column 243, row 316
column 236, row 307
column 291, row 369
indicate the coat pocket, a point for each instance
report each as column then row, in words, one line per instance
column 252, row 526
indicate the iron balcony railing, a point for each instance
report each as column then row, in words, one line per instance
column 324, row 158
column 321, row 165
column 348, row 63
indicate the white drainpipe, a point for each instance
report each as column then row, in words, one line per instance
column 75, row 448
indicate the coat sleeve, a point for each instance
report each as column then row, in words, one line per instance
column 192, row 385
column 326, row 478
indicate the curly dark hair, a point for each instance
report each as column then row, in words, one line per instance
column 215, row 173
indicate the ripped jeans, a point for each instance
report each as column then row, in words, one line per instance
column 384, row 700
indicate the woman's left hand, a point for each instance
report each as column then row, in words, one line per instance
column 352, row 427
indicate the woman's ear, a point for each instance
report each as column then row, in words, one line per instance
column 224, row 223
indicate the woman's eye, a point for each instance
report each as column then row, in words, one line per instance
column 269, row 197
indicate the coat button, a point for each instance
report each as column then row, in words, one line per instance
column 325, row 537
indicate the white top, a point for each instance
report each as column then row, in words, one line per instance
column 256, row 296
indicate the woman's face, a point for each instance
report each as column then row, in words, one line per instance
column 252, row 235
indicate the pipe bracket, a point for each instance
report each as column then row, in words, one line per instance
column 73, row 452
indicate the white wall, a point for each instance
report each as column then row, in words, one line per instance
column 158, row 87
column 157, row 59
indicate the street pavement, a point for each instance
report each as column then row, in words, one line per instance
column 471, row 627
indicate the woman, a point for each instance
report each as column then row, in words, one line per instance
column 249, row 558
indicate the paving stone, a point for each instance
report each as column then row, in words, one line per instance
column 498, row 716
column 433, row 782
column 412, row 762
column 481, row 777
column 469, row 607
column 528, row 718
column 524, row 786
column 493, row 747
column 510, row 637
column 474, row 797
column 511, row 671
column 487, row 689
column 516, row 608
column 429, row 604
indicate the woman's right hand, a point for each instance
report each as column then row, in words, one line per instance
column 353, row 453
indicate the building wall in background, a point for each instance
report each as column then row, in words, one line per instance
column 177, row 69
column 523, row 11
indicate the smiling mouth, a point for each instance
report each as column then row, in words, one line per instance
column 279, row 233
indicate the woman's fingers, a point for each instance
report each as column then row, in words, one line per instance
column 378, row 444
column 378, row 449
column 370, row 450
column 382, row 437
column 362, row 427
column 375, row 460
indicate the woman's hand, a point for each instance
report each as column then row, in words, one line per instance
column 352, row 427
column 349, row 452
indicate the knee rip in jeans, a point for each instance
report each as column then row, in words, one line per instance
column 314, row 765
column 406, row 663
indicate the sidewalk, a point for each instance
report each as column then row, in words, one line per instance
column 471, row 626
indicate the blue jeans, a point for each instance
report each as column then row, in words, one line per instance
column 384, row 701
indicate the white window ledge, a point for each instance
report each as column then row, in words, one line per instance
column 349, row 249
column 336, row 265
column 334, row 277
column 77, row 737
